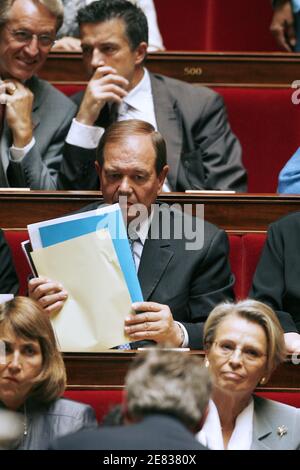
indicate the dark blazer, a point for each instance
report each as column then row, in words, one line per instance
column 156, row 432
column 277, row 277
column 202, row 151
column 190, row 282
column 9, row 283
column 46, row 423
column 52, row 115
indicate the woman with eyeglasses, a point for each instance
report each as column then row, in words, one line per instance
column 33, row 378
column 244, row 343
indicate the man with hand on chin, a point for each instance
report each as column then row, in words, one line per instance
column 34, row 116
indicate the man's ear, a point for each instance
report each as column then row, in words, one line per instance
column 98, row 169
column 161, row 177
column 140, row 53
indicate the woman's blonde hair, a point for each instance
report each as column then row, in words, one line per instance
column 255, row 312
column 25, row 319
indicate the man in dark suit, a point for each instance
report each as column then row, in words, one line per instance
column 34, row 116
column 202, row 151
column 167, row 393
column 182, row 261
column 276, row 280
column 9, row 283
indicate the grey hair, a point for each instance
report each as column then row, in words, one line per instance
column 169, row 382
column 53, row 6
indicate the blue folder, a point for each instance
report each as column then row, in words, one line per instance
column 113, row 221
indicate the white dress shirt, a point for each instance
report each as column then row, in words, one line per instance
column 241, row 438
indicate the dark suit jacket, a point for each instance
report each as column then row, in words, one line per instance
column 190, row 282
column 156, row 432
column 277, row 278
column 52, row 114
column 202, row 151
column 9, row 283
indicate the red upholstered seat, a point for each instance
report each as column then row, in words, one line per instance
column 101, row 400
column 104, row 400
column 289, row 398
column 70, row 90
column 14, row 239
column 216, row 25
column 268, row 127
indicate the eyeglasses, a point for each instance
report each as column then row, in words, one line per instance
column 25, row 37
column 227, row 349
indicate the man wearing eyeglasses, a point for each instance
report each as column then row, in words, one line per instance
column 34, row 116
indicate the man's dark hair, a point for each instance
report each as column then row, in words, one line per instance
column 135, row 21
column 121, row 130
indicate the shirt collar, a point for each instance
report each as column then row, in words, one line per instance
column 142, row 90
column 241, row 438
column 143, row 228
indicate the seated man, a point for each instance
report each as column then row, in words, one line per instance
column 276, row 281
column 203, row 152
column 289, row 176
column 9, row 283
column 181, row 280
column 166, row 399
column 34, row 116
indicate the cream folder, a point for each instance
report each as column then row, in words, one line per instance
column 92, row 318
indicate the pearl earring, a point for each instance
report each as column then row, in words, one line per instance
column 263, row 381
column 206, row 363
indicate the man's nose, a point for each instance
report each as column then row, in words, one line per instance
column 97, row 58
column 32, row 48
column 125, row 186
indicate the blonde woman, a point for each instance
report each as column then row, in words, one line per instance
column 244, row 343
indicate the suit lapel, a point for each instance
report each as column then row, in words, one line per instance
column 169, row 125
column 37, row 101
column 262, row 430
column 155, row 258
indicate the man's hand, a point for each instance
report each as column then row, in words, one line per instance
column 282, row 26
column 49, row 294
column 105, row 86
column 155, row 322
column 67, row 43
column 18, row 100
column 292, row 342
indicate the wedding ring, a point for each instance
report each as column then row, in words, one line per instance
column 12, row 88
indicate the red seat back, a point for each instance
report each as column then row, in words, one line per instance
column 101, row 400
column 267, row 124
column 216, row 25
column 14, row 239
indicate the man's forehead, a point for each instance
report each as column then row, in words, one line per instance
column 105, row 31
column 30, row 14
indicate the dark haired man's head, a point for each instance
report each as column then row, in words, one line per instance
column 135, row 21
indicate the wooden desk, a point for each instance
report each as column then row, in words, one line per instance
column 206, row 68
column 107, row 371
column 238, row 213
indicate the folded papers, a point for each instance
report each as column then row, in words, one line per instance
column 89, row 254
